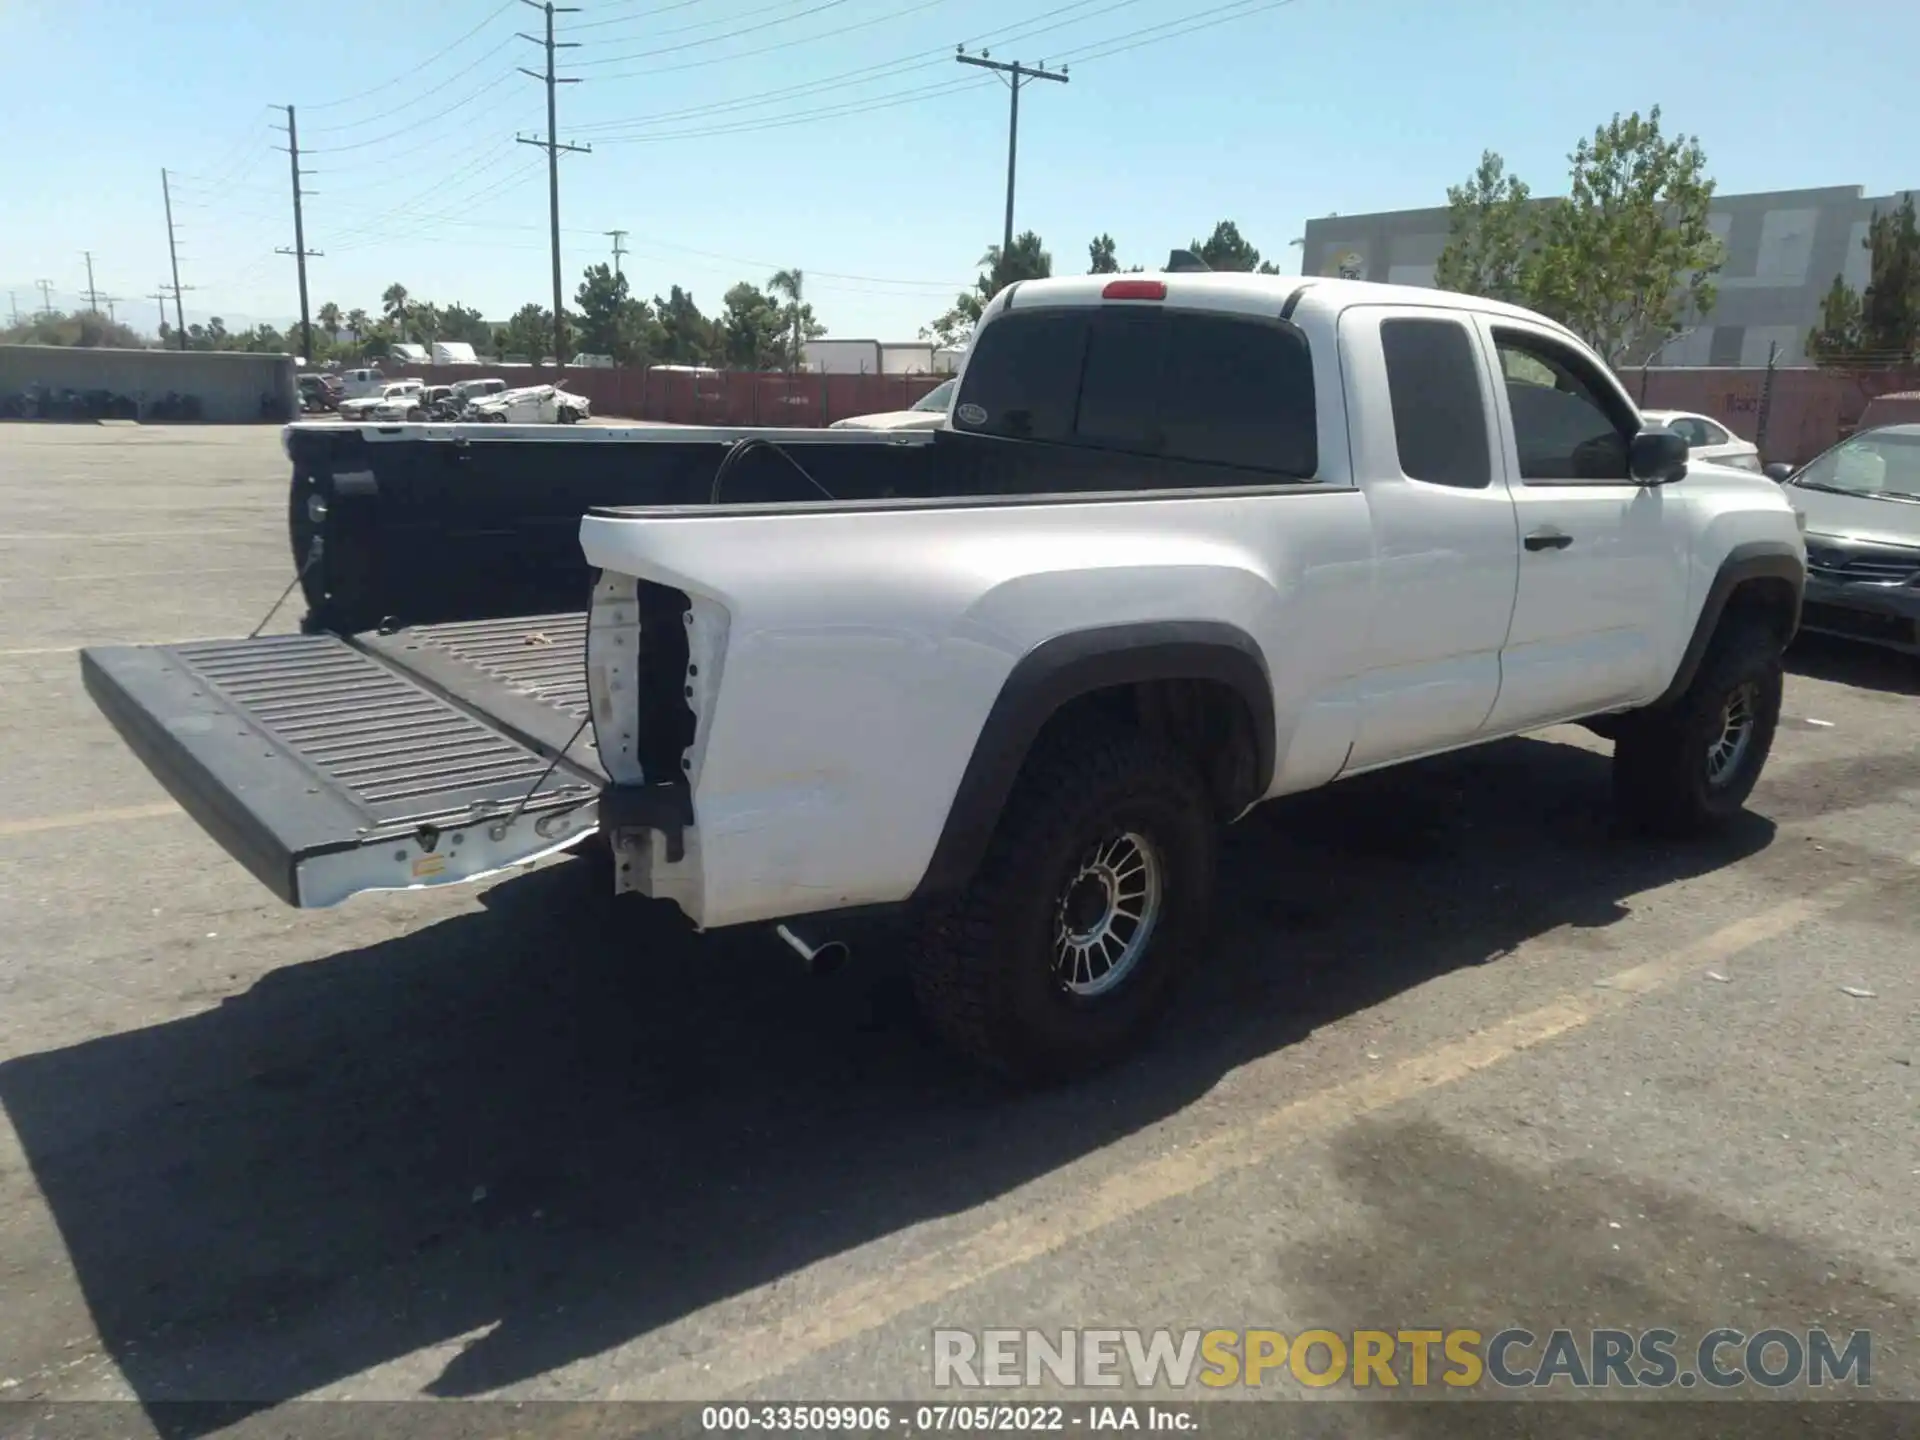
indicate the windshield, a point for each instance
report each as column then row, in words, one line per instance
column 1881, row 464
column 939, row 398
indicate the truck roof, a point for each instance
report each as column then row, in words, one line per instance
column 1320, row 297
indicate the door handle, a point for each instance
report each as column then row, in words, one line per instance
column 1548, row 540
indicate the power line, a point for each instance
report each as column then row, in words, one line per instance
column 480, row 94
column 299, row 252
column 656, row 34
column 552, row 145
column 1187, row 25
column 901, row 65
column 1015, row 75
column 388, row 112
column 413, row 71
column 728, row 35
column 628, row 20
column 758, row 50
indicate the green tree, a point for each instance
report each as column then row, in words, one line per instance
column 1627, row 259
column 1027, row 260
column 801, row 326
column 86, row 329
column 686, row 336
column 1492, row 235
column 358, row 324
column 612, row 321
column 395, row 305
column 528, row 334
column 465, row 325
column 1881, row 326
column 753, row 330
column 329, row 318
column 1227, row 249
column 1100, row 256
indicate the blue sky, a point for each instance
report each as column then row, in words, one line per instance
column 735, row 136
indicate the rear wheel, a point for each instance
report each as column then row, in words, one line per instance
column 1689, row 768
column 1086, row 911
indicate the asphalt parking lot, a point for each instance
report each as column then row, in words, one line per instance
column 1463, row 1056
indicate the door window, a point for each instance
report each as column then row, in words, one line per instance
column 1439, row 419
column 1569, row 425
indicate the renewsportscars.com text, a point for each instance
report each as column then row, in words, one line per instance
column 1510, row 1358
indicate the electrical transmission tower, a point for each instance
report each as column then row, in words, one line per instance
column 299, row 250
column 1016, row 75
column 619, row 247
column 551, row 144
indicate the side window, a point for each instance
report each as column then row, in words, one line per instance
column 1710, row 434
column 1239, row 392
column 1023, row 378
column 1439, row 417
column 1567, row 423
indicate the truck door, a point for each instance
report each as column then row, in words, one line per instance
column 1603, row 561
column 1421, row 423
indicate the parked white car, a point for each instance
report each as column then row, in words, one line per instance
column 1707, row 439
column 533, row 405
column 397, row 400
column 929, row 412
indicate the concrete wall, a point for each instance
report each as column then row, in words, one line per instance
column 1783, row 248
column 228, row 384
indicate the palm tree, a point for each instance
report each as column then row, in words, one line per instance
column 791, row 283
column 393, row 304
column 358, row 322
column 329, row 318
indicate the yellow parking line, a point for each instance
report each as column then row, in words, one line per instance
column 751, row 1356
column 79, row 819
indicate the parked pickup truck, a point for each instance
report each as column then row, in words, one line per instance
column 1189, row 542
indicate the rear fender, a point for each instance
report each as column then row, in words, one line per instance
column 1065, row 668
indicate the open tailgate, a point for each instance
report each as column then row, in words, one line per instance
column 327, row 769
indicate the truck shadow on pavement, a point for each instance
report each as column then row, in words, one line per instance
column 518, row 1139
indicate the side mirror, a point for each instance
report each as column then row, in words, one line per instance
column 1657, row 456
column 1779, row 473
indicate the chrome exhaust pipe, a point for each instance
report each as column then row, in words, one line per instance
column 821, row 959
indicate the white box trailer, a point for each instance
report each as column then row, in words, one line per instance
column 843, row 357
column 453, row 352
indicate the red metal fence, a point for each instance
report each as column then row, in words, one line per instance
column 1805, row 410
column 730, row 397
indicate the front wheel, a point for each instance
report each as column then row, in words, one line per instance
column 1087, row 910
column 1689, row 768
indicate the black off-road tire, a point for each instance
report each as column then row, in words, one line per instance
column 983, row 963
column 1662, row 781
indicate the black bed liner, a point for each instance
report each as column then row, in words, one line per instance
column 394, row 754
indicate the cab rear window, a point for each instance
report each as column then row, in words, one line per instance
column 1229, row 397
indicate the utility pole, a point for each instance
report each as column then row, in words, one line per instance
column 173, row 253
column 619, row 248
column 14, row 305
column 160, row 297
column 551, row 144
column 1015, row 75
column 299, row 251
column 93, row 295
column 45, row 287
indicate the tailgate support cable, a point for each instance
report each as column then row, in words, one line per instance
column 313, row 554
column 499, row 832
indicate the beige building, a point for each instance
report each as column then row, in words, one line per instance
column 1783, row 249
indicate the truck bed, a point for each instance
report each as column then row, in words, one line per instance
column 383, row 758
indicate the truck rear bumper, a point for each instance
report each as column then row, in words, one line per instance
column 330, row 766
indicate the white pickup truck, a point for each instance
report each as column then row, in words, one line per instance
column 1189, row 542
